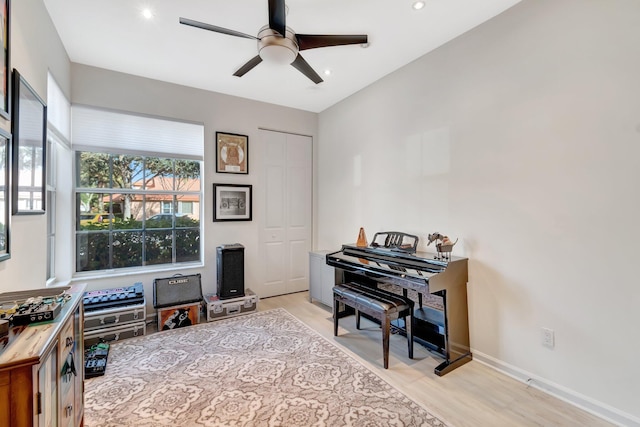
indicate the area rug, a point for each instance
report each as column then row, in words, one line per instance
column 261, row 369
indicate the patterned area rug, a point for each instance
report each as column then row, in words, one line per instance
column 262, row 369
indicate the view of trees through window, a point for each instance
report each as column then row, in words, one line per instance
column 134, row 211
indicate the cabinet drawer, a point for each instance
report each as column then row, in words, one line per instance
column 67, row 410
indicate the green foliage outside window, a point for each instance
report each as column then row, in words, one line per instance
column 120, row 222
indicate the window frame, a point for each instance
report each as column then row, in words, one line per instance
column 144, row 230
column 51, row 203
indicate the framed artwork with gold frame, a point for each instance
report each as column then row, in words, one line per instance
column 232, row 153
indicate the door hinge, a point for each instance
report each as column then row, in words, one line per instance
column 39, row 403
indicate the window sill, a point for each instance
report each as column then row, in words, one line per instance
column 102, row 274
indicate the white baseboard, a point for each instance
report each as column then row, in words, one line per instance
column 592, row 406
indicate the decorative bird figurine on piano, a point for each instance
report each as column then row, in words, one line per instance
column 444, row 246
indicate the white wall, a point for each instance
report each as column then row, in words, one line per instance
column 99, row 87
column 521, row 138
column 35, row 49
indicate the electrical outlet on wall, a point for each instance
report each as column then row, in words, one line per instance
column 548, row 337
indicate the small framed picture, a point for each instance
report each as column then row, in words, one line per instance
column 232, row 153
column 232, row 202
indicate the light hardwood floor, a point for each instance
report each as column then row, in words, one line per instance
column 472, row 395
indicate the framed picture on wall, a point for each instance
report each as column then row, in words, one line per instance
column 5, row 89
column 29, row 129
column 232, row 153
column 232, row 202
column 5, row 214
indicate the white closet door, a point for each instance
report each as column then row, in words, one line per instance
column 286, row 230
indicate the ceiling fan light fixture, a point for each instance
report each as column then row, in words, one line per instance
column 277, row 54
column 274, row 48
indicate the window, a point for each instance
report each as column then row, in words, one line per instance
column 51, row 209
column 125, row 206
column 58, row 149
column 185, row 207
column 131, row 173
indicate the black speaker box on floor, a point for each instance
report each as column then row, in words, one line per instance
column 230, row 263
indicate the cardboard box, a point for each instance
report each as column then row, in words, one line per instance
column 220, row 309
column 178, row 316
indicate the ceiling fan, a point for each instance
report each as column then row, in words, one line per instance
column 278, row 43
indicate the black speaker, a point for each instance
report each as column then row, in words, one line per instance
column 230, row 262
column 177, row 290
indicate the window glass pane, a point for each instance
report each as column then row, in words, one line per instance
column 93, row 170
column 92, row 251
column 51, row 233
column 158, row 174
column 94, row 211
column 128, row 171
column 187, row 245
column 127, row 249
column 187, row 175
column 158, row 247
column 131, row 207
column 51, row 259
column 159, row 210
column 147, row 211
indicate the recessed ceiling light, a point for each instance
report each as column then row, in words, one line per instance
column 147, row 13
column 327, row 72
column 417, row 5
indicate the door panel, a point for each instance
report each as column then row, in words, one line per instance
column 298, row 255
column 298, row 200
column 274, row 184
column 274, row 259
column 286, row 229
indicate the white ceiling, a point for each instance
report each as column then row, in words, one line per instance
column 113, row 34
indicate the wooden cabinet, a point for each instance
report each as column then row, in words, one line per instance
column 37, row 385
column 5, row 392
column 322, row 278
column 70, row 360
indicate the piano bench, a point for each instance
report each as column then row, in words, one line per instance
column 381, row 305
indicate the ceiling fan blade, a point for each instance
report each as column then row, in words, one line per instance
column 277, row 16
column 215, row 28
column 303, row 66
column 248, row 66
column 312, row 41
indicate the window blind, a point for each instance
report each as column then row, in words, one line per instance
column 58, row 109
column 123, row 132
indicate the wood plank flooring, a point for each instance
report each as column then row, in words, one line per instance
column 472, row 395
